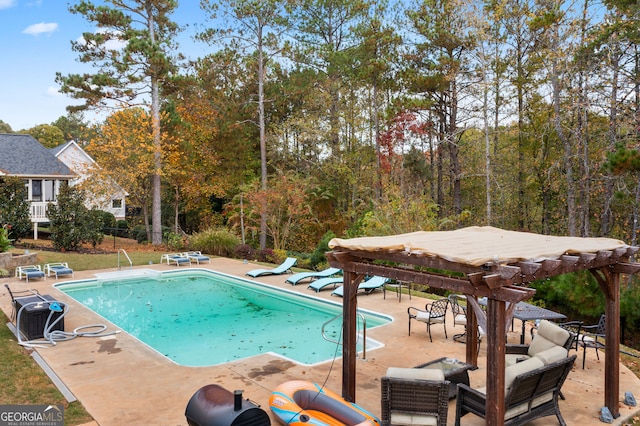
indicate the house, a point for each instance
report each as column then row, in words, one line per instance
column 24, row 157
column 44, row 170
column 102, row 193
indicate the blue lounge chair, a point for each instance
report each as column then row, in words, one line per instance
column 197, row 256
column 296, row 278
column 368, row 286
column 280, row 269
column 318, row 285
column 30, row 271
column 57, row 269
column 177, row 258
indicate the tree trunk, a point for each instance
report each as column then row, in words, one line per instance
column 263, row 143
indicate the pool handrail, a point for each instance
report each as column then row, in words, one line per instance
column 127, row 256
column 364, row 333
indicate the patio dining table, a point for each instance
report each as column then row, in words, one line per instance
column 527, row 312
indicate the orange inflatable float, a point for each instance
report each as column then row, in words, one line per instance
column 302, row 403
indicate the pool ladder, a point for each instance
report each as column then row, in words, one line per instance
column 125, row 255
column 363, row 333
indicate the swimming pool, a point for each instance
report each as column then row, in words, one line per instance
column 198, row 317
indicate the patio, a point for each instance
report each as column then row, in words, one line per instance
column 121, row 381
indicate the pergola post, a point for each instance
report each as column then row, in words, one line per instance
column 350, row 335
column 496, row 337
column 610, row 284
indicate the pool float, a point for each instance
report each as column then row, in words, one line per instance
column 303, row 403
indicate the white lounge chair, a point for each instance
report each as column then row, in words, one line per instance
column 280, row 269
column 30, row 271
column 197, row 256
column 177, row 258
column 57, row 269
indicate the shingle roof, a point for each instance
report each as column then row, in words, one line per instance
column 59, row 148
column 22, row 155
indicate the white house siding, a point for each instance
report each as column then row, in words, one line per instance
column 81, row 163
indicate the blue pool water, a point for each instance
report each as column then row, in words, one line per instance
column 201, row 318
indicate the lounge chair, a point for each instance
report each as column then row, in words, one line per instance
column 296, row 278
column 197, row 256
column 177, row 258
column 368, row 286
column 57, row 269
column 280, row 269
column 30, row 271
column 318, row 285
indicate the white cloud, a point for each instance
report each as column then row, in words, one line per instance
column 6, row 4
column 113, row 44
column 53, row 91
column 43, row 27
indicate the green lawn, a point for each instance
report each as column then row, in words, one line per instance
column 85, row 262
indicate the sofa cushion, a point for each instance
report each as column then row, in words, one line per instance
column 549, row 334
column 415, row 373
column 524, row 407
column 552, row 355
column 511, row 372
column 400, row 418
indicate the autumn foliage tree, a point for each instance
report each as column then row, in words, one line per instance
column 132, row 52
column 125, row 152
column 287, row 208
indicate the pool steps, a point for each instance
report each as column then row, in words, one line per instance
column 130, row 273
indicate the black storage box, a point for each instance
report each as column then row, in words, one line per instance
column 33, row 317
column 213, row 405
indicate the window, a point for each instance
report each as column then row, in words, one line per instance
column 36, row 190
column 116, row 204
column 49, row 190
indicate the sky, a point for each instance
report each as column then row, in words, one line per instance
column 35, row 41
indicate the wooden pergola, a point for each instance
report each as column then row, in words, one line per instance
column 495, row 264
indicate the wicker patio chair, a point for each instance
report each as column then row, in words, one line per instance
column 414, row 396
column 433, row 313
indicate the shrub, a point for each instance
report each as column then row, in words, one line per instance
column 122, row 229
column 216, row 241
column 266, row 255
column 176, row 242
column 108, row 221
column 14, row 207
column 5, row 242
column 318, row 256
column 139, row 233
column 244, row 251
column 71, row 222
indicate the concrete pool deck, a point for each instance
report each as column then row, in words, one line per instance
column 122, row 381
